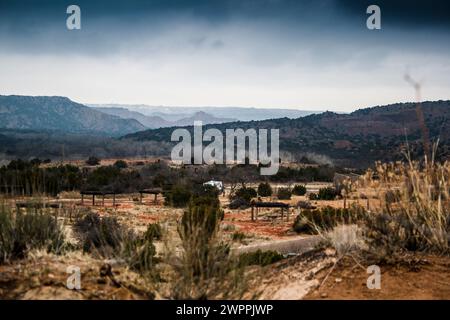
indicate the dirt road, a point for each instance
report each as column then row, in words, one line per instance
column 298, row 245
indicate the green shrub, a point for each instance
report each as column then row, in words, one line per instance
column 102, row 235
column 102, row 177
column 313, row 196
column 327, row 193
column 206, row 195
column 179, row 196
column 284, row 194
column 239, row 203
column 206, row 268
column 120, row 164
column 154, row 231
column 261, row 258
column 93, row 161
column 238, row 236
column 246, row 193
column 264, row 189
column 21, row 232
column 139, row 253
column 106, row 237
column 299, row 190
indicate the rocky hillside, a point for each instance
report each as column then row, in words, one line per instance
column 355, row 139
column 60, row 114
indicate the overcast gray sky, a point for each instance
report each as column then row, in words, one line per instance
column 313, row 55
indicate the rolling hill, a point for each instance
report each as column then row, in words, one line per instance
column 356, row 139
column 158, row 121
column 174, row 113
column 60, row 114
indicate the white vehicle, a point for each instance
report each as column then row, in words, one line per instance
column 214, row 183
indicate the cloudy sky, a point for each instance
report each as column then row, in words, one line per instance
column 312, row 54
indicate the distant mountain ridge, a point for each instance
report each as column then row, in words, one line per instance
column 60, row 114
column 150, row 122
column 157, row 121
column 174, row 113
column 358, row 138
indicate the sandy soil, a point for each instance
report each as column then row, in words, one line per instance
column 422, row 277
column 44, row 276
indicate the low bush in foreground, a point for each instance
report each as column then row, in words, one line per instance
column 105, row 237
column 238, row 236
column 415, row 208
column 205, row 269
column 315, row 221
column 23, row 231
column 154, row 231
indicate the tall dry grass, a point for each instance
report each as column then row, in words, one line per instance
column 414, row 206
column 204, row 267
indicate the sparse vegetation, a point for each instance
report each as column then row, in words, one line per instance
column 179, row 196
column 246, row 193
column 21, row 232
column 318, row 220
column 105, row 237
column 260, row 258
column 313, row 196
column 154, row 231
column 205, row 268
column 238, row 236
column 299, row 190
column 102, row 235
column 264, row 189
column 284, row 194
column 93, row 161
column 415, row 216
column 120, row 164
column 327, row 193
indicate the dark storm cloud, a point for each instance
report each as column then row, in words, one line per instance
column 103, row 20
column 224, row 51
column 404, row 13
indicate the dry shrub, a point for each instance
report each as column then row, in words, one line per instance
column 319, row 221
column 345, row 239
column 205, row 269
column 106, row 237
column 260, row 258
column 69, row 195
column 414, row 212
column 32, row 229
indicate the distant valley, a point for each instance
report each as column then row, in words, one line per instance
column 165, row 116
column 58, row 127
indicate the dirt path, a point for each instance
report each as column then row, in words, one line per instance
column 298, row 245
